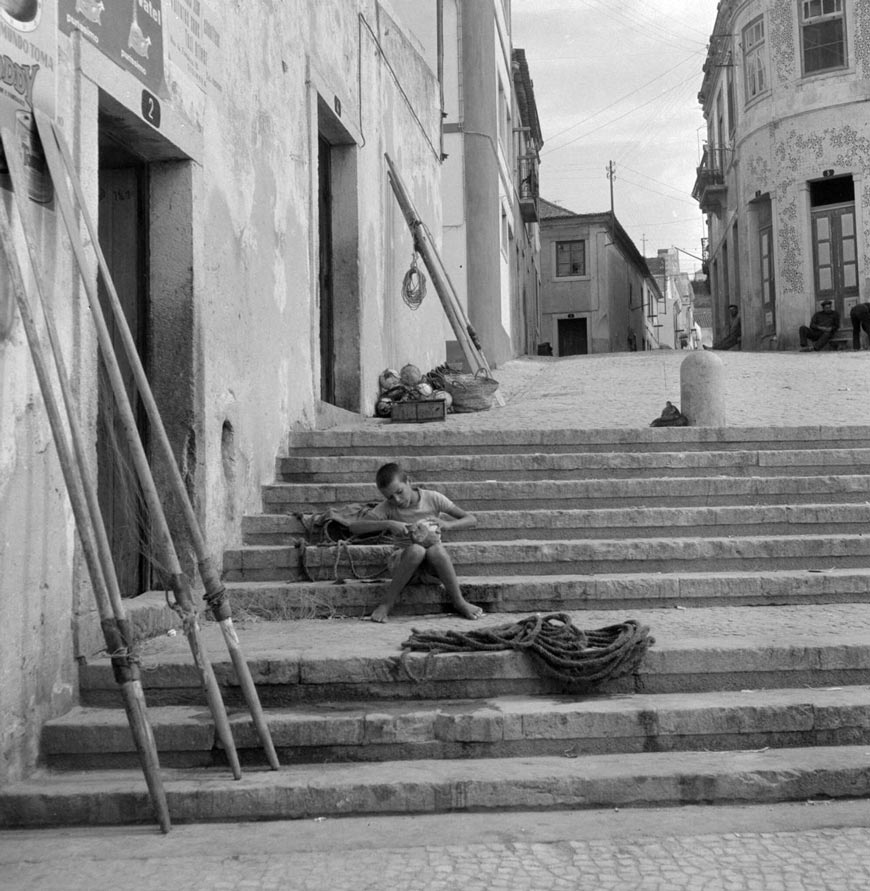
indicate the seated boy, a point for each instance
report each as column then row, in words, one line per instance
column 418, row 513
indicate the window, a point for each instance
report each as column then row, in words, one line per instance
column 732, row 114
column 570, row 258
column 823, row 34
column 754, row 68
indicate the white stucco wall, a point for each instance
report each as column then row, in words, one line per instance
column 252, row 136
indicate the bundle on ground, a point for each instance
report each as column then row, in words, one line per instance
column 558, row 648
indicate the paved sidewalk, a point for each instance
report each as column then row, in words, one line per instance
column 630, row 389
column 798, row 847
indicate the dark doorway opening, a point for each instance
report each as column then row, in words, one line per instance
column 124, row 235
column 325, row 274
column 573, row 338
column 834, row 190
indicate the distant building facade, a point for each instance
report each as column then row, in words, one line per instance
column 597, row 293
column 783, row 177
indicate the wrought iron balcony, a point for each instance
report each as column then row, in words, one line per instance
column 528, row 189
column 710, row 189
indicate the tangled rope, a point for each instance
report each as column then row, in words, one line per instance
column 413, row 285
column 558, row 648
column 337, row 551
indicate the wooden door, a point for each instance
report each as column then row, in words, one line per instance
column 835, row 256
column 325, row 275
column 122, row 234
column 573, row 340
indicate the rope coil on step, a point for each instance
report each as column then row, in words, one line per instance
column 558, row 648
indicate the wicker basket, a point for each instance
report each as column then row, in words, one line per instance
column 470, row 392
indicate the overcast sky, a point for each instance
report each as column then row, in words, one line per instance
column 619, row 81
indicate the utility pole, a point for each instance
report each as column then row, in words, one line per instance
column 643, row 239
column 611, row 175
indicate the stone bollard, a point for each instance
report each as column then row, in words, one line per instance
column 702, row 389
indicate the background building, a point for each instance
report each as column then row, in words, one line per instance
column 597, row 294
column 783, row 175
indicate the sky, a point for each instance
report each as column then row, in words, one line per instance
column 619, row 81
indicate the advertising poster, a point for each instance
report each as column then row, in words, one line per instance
column 129, row 32
column 28, row 62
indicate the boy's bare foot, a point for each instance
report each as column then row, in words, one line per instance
column 380, row 614
column 468, row 610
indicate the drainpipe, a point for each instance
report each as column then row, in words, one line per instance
column 439, row 13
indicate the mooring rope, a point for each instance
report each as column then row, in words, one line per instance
column 558, row 648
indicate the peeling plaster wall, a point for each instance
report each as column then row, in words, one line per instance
column 38, row 559
column 252, row 284
column 784, row 139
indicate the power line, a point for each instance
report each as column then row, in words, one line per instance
column 610, row 105
column 647, row 29
column 620, row 117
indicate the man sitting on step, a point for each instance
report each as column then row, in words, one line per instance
column 419, row 514
column 823, row 326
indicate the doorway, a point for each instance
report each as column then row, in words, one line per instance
column 146, row 231
column 325, row 273
column 572, row 337
column 339, row 263
column 123, row 233
column 835, row 254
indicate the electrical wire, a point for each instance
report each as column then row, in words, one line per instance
column 610, row 105
column 620, row 117
column 648, row 28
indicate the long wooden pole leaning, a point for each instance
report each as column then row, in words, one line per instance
column 82, row 495
column 215, row 593
column 178, row 580
column 424, row 244
column 426, row 250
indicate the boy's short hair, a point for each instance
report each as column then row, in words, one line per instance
column 388, row 473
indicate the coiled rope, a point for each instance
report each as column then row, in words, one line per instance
column 558, row 648
column 413, row 285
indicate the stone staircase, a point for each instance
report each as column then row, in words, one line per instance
column 743, row 549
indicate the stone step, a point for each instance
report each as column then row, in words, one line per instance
column 578, row 465
column 555, row 593
column 505, row 727
column 379, row 438
column 560, row 557
column 696, row 650
column 437, row 786
column 644, row 522
column 595, row 493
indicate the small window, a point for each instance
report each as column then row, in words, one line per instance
column 754, row 65
column 570, row 258
column 823, row 35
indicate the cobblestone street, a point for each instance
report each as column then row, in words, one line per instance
column 800, row 847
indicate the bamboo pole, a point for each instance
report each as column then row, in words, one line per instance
column 178, row 580
column 215, row 593
column 80, row 490
column 424, row 244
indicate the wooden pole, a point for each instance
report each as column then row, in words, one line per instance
column 215, row 593
column 424, row 244
column 115, row 629
column 426, row 250
column 177, row 579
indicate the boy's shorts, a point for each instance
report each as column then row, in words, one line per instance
column 423, row 575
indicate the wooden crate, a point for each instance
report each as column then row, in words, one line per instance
column 419, row 412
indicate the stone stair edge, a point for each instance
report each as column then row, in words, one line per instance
column 431, row 786
column 497, row 707
column 385, row 432
column 526, row 460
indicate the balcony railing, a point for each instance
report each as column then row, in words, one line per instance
column 528, row 189
column 710, row 188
